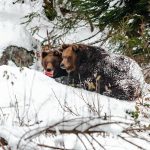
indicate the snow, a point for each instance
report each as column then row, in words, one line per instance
column 24, row 105
column 20, row 88
column 52, row 94
column 15, row 34
column 130, row 21
column 31, row 102
column 115, row 3
column 10, row 29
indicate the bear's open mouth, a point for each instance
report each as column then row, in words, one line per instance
column 49, row 73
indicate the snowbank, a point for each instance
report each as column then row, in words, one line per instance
column 11, row 30
column 29, row 98
column 35, row 92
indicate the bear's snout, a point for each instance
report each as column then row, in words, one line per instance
column 62, row 66
column 49, row 69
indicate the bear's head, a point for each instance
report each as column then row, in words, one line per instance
column 51, row 63
column 72, row 55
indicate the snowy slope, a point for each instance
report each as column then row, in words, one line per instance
column 31, row 88
column 31, row 102
column 11, row 32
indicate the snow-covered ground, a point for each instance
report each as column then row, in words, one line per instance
column 42, row 101
column 32, row 104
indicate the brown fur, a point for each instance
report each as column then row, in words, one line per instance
column 109, row 73
column 71, row 57
column 51, row 62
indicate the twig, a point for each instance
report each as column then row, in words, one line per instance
column 137, row 129
column 89, row 141
column 48, row 38
column 46, row 146
column 89, row 37
column 63, row 108
column 131, row 143
column 106, row 123
column 98, row 142
column 82, row 142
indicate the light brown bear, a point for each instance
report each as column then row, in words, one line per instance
column 119, row 76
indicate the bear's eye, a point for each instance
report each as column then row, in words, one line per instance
column 48, row 62
column 64, row 57
column 69, row 58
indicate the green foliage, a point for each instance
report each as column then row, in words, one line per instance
column 134, row 114
column 30, row 17
column 49, row 10
column 132, row 39
column 147, row 105
column 126, row 19
column 127, row 22
column 104, row 13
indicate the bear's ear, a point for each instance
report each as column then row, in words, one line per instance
column 64, row 46
column 44, row 54
column 75, row 48
column 79, row 47
column 57, row 53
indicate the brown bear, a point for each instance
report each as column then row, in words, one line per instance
column 116, row 75
column 51, row 63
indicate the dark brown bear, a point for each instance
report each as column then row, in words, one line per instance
column 51, row 62
column 113, row 75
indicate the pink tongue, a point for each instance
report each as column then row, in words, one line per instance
column 49, row 73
